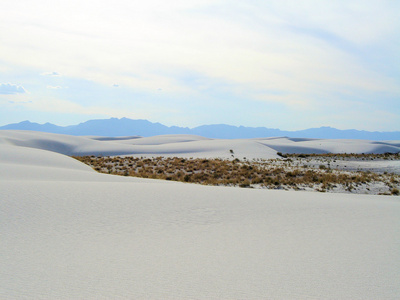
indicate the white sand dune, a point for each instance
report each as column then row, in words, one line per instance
column 166, row 139
column 67, row 232
column 65, row 144
column 189, row 145
column 307, row 146
column 169, row 145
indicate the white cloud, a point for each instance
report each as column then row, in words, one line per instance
column 140, row 43
column 55, row 74
column 11, row 89
column 19, row 102
column 51, row 87
column 55, row 106
column 308, row 50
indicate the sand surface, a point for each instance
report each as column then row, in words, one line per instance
column 189, row 145
column 67, row 232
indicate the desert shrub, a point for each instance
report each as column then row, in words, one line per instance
column 275, row 173
column 281, row 154
column 244, row 184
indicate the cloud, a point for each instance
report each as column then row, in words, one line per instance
column 62, row 106
column 219, row 40
column 313, row 52
column 54, row 87
column 19, row 102
column 55, row 74
column 11, row 89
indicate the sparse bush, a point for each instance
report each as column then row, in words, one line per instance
column 245, row 184
column 281, row 154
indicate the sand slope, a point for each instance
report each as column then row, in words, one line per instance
column 170, row 145
column 188, row 145
column 297, row 145
column 68, row 232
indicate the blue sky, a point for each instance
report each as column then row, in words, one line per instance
column 279, row 64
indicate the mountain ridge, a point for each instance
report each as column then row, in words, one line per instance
column 127, row 127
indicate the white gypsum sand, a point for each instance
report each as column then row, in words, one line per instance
column 68, row 232
column 189, row 145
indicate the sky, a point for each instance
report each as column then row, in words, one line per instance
column 278, row 64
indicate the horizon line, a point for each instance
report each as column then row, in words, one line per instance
column 213, row 124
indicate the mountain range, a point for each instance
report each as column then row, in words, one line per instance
column 127, row 127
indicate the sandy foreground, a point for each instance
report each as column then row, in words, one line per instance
column 67, row 232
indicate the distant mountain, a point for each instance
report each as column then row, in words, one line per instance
column 129, row 127
column 26, row 125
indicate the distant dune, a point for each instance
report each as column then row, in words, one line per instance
column 189, row 145
column 68, row 232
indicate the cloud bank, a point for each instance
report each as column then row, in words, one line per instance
column 11, row 89
column 286, row 64
column 50, row 74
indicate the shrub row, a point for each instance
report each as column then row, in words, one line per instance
column 236, row 172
